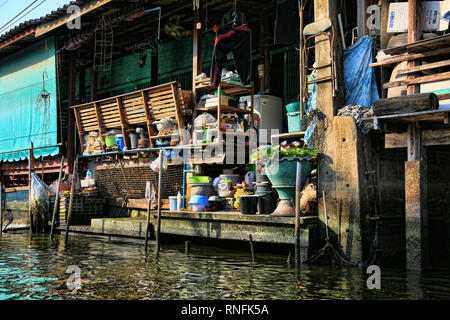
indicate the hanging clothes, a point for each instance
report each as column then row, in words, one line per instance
column 287, row 23
column 236, row 37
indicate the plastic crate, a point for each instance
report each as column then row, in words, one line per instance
column 294, row 123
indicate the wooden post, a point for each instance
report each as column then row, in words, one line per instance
column 362, row 18
column 158, row 221
column 1, row 209
column 71, row 120
column 197, row 49
column 416, row 211
column 301, row 62
column 252, row 249
column 72, row 192
column 30, row 170
column 187, row 247
column 149, row 204
column 55, row 208
column 414, row 34
column 298, row 190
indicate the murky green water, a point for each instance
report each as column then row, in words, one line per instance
column 35, row 268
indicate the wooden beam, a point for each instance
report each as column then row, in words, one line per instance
column 101, row 128
column 123, row 123
column 408, row 57
column 51, row 25
column 16, row 38
column 429, row 138
column 148, row 117
column 429, row 66
column 424, row 79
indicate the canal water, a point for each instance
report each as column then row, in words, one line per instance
column 33, row 267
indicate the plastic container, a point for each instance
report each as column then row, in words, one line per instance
column 198, row 203
column 110, row 141
column 198, row 207
column 173, row 203
column 293, row 107
column 120, row 142
column 268, row 202
column 294, row 123
column 133, row 140
column 199, row 179
column 248, row 204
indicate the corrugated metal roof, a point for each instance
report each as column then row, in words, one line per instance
column 35, row 22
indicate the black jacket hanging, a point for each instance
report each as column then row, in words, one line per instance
column 233, row 35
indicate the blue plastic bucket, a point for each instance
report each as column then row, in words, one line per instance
column 120, row 141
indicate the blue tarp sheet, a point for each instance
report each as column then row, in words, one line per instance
column 359, row 78
column 23, row 116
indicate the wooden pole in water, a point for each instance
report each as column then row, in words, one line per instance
column 55, row 208
column 187, row 247
column 298, row 190
column 30, row 169
column 252, row 249
column 1, row 209
column 72, row 192
column 149, row 204
column 158, row 221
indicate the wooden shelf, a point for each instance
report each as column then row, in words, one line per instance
column 229, row 88
column 225, row 109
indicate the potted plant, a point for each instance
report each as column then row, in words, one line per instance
column 280, row 166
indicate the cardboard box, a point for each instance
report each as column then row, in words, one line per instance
column 431, row 16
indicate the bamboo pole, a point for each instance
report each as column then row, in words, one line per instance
column 30, row 169
column 72, row 192
column 298, row 189
column 158, row 221
column 149, row 204
column 55, row 208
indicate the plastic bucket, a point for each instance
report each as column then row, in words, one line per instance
column 110, row 141
column 120, row 142
column 294, row 123
column 173, row 203
column 293, row 107
column 248, row 204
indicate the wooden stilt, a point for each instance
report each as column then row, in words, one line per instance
column 149, row 205
column 187, row 247
column 298, row 190
column 30, row 170
column 158, row 221
column 56, row 206
column 72, row 192
column 252, row 249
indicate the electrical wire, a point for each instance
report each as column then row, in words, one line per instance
column 5, row 27
column 3, row 3
column 1, row 28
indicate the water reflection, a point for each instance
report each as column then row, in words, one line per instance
column 34, row 267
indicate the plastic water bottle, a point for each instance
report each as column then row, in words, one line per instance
column 89, row 174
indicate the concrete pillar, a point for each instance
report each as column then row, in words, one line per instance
column 416, row 196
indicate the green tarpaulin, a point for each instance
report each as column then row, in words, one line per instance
column 25, row 114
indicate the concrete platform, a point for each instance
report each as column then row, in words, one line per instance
column 214, row 225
